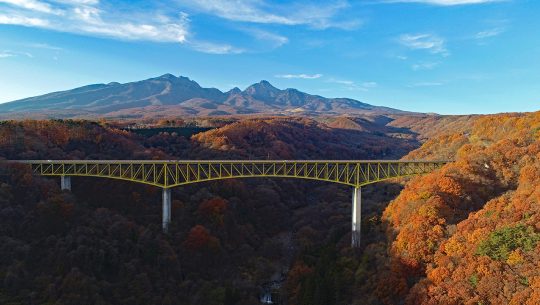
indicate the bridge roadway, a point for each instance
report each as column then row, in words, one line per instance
column 171, row 173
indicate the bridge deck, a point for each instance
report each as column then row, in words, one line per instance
column 221, row 161
column 171, row 173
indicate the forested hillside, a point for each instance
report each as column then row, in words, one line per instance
column 467, row 233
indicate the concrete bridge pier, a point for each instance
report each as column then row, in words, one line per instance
column 65, row 183
column 356, row 217
column 166, row 209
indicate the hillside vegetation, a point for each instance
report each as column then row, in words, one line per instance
column 468, row 233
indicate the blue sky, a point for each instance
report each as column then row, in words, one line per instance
column 444, row 56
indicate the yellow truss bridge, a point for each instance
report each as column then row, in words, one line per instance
column 171, row 173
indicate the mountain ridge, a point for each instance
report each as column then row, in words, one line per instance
column 171, row 95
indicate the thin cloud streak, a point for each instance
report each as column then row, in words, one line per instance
column 214, row 48
column 33, row 5
column 352, row 85
column 432, row 43
column 425, row 66
column 425, row 84
column 489, row 33
column 301, row 76
column 16, row 19
column 44, row 46
column 444, row 2
column 273, row 39
column 7, row 54
column 313, row 15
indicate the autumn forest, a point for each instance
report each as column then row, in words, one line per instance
column 468, row 233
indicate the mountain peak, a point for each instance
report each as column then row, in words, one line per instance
column 178, row 80
column 167, row 76
column 234, row 90
column 263, row 91
column 265, row 84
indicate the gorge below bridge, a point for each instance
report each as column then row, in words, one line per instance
column 167, row 174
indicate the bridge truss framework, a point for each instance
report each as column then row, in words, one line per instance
column 167, row 174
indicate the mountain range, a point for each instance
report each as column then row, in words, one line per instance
column 168, row 95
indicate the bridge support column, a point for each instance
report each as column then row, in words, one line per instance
column 65, row 183
column 356, row 217
column 166, row 209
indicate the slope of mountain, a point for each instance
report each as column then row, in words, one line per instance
column 468, row 232
column 168, row 95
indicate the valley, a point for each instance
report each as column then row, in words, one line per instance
column 229, row 238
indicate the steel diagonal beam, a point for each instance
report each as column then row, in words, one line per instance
column 393, row 168
column 269, row 169
column 226, row 170
column 363, row 174
column 138, row 172
column 255, row 169
column 289, row 170
column 246, row 168
column 300, row 169
column 182, row 172
column 159, row 173
column 234, row 167
column 340, row 172
column 310, row 169
column 92, row 169
column 280, row 168
column 352, row 174
column 191, row 172
column 374, row 174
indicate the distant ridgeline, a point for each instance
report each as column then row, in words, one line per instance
column 171, row 96
column 181, row 131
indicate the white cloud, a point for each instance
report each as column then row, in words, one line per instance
column 124, row 21
column 214, row 48
column 489, row 33
column 444, row 2
column 425, row 84
column 352, row 85
column 33, row 5
column 44, row 46
column 23, row 20
column 89, row 17
column 432, row 43
column 343, row 82
column 166, row 23
column 132, row 31
column 274, row 39
column 76, row 2
column 318, row 16
column 369, row 84
column 7, row 54
column 425, row 66
column 301, row 76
